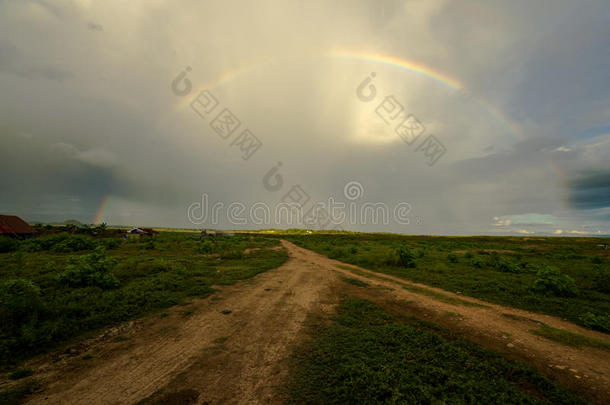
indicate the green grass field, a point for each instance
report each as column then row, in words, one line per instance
column 366, row 356
column 55, row 288
column 565, row 277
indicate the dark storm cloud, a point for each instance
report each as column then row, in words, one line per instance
column 535, row 71
column 591, row 190
column 39, row 179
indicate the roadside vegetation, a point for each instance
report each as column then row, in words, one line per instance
column 366, row 356
column 570, row 338
column 56, row 287
column 565, row 277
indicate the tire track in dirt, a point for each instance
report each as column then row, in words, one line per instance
column 267, row 314
column 503, row 329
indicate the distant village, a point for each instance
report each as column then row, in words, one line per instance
column 15, row 227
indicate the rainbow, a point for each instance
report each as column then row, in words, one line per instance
column 434, row 75
column 370, row 57
column 223, row 79
column 99, row 215
column 399, row 63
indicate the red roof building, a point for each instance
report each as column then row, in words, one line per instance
column 12, row 225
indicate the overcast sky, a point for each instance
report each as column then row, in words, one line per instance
column 512, row 97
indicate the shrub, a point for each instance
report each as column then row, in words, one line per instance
column 8, row 244
column 62, row 243
column 452, row 257
column 206, row 247
column 391, row 258
column 19, row 258
column 468, row 255
column 551, row 280
column 90, row 270
column 150, row 267
column 441, row 268
column 337, row 253
column 402, row 256
column 596, row 260
column 20, row 303
column 601, row 282
column 599, row 322
column 49, row 267
column 406, row 257
column 109, row 244
column 73, row 243
column 506, row 266
column 477, row 262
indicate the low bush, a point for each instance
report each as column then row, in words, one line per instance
column 93, row 270
column 599, row 322
column 506, row 266
column 20, row 304
column 402, row 256
column 477, row 262
column 206, row 247
column 8, row 244
column 551, row 281
column 452, row 257
column 601, row 282
column 60, row 243
column 73, row 243
column 109, row 243
column 337, row 253
column 441, row 268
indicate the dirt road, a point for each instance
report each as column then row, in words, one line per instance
column 233, row 346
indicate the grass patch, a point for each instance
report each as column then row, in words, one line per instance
column 355, row 281
column 418, row 290
column 366, row 356
column 439, row 296
column 570, row 338
column 21, row 373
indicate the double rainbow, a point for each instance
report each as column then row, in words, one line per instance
column 375, row 58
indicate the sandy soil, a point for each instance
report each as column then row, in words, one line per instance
column 205, row 354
